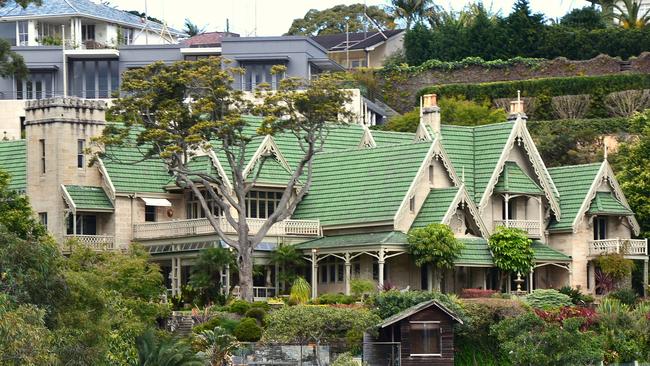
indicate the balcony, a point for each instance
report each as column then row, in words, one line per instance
column 95, row 242
column 532, row 227
column 193, row 227
column 629, row 247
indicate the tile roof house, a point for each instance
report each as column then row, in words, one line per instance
column 369, row 188
column 362, row 49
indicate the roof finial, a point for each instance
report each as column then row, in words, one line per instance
column 518, row 96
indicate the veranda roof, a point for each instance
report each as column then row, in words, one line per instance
column 544, row 253
column 88, row 198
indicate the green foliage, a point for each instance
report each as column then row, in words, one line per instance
column 248, row 331
column 631, row 164
column 256, row 313
column 300, row 291
column 511, row 250
column 462, row 112
column 239, row 307
column 626, row 296
column 261, row 305
column 220, row 321
column 215, row 345
column 547, row 343
column 615, row 265
column 16, row 215
column 360, row 287
column 547, row 299
column 290, row 261
column 339, row 19
column 205, row 278
column 305, row 323
column 587, row 17
column 595, row 86
column 388, row 303
column 625, row 331
column 577, row 297
column 407, row 122
column 344, row 359
column 154, row 351
column 24, row 338
column 328, row 299
column 434, row 245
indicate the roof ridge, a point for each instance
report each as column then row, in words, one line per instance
column 383, row 148
column 573, row 166
column 72, row 6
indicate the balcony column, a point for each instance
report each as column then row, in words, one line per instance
column 591, row 268
column 645, row 277
column 74, row 223
column 348, row 273
column 226, row 281
column 380, row 261
column 530, row 280
column 314, row 274
column 506, row 197
column 541, row 218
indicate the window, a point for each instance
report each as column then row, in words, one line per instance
column 125, row 36
column 23, row 33
column 195, row 209
column 86, row 225
column 425, row 338
column 258, row 73
column 261, row 204
column 37, row 85
column 42, row 217
column 41, row 144
column 358, row 63
column 93, row 78
column 197, row 57
column 431, row 174
column 87, row 32
column 332, row 271
column 149, row 213
column 412, row 204
column 600, row 228
column 8, row 32
column 81, row 146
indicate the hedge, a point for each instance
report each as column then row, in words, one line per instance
column 546, row 88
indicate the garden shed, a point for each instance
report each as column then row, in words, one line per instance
column 420, row 335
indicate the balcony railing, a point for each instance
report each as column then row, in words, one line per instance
column 192, row 227
column 624, row 246
column 95, row 242
column 264, row 293
column 532, row 227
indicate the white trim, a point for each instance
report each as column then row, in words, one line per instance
column 422, row 133
column 68, row 199
column 217, row 164
column 106, row 178
column 200, row 51
column 463, row 196
column 424, row 166
column 267, row 145
column 367, row 140
column 156, row 202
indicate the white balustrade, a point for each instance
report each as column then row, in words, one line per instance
column 192, row 227
column 263, row 293
column 532, row 227
column 625, row 246
column 95, row 242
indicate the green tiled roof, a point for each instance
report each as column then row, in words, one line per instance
column 435, row 206
column 514, row 180
column 355, row 240
column 87, row 198
column 13, row 160
column 361, row 185
column 385, row 138
column 272, row 172
column 458, row 141
column 129, row 172
column 544, row 253
column 476, row 252
column 606, row 203
column 573, row 183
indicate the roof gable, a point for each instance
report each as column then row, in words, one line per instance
column 514, row 180
column 435, row 206
column 416, row 309
column 604, row 203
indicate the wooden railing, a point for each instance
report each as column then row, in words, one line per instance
column 532, row 227
column 263, row 293
column 624, row 246
column 95, row 242
column 192, row 227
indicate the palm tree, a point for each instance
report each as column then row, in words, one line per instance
column 192, row 29
column 206, row 273
column 288, row 259
column 412, row 10
column 153, row 351
column 629, row 15
column 216, row 346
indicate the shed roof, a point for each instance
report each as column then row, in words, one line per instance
column 416, row 309
column 88, row 198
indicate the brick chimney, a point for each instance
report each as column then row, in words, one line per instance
column 430, row 112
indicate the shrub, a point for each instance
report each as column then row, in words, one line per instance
column 471, row 293
column 327, row 299
column 389, row 303
column 256, row 313
column 511, row 250
column 626, row 296
column 239, row 307
column 362, row 287
column 547, row 343
column 344, row 359
column 463, row 112
column 354, row 340
column 248, row 331
column 570, row 106
column 261, row 305
column 588, row 315
column 547, row 299
column 576, row 296
column 300, row 291
column 407, row 122
column 304, row 323
column 626, row 103
column 217, row 321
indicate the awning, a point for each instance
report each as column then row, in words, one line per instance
column 86, row 198
column 158, row 202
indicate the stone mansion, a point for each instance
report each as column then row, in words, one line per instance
column 369, row 188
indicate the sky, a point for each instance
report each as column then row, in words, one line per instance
column 274, row 17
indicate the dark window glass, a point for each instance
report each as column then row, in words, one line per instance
column 149, row 213
column 600, row 228
column 425, row 338
column 81, row 145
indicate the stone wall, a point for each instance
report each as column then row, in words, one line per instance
column 400, row 91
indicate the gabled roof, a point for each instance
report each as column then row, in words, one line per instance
column 355, row 41
column 417, row 308
column 88, row 198
column 573, row 183
column 53, row 8
column 13, row 160
column 361, row 186
column 435, row 206
column 606, row 204
column 514, row 180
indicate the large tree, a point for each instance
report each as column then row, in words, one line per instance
column 630, row 14
column 339, row 19
column 436, row 247
column 181, row 109
column 412, row 11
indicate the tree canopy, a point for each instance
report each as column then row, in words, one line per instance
column 340, row 18
column 434, row 245
column 511, row 250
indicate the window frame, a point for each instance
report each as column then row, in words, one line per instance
column 600, row 227
column 22, row 31
column 150, row 213
column 437, row 322
column 81, row 157
column 42, row 217
column 41, row 143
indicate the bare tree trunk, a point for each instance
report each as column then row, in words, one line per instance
column 245, row 262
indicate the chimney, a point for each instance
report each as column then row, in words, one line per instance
column 430, row 112
column 517, row 108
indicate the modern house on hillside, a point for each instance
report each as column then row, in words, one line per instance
column 363, row 49
column 369, row 188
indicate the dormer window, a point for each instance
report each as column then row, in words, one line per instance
column 262, row 204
